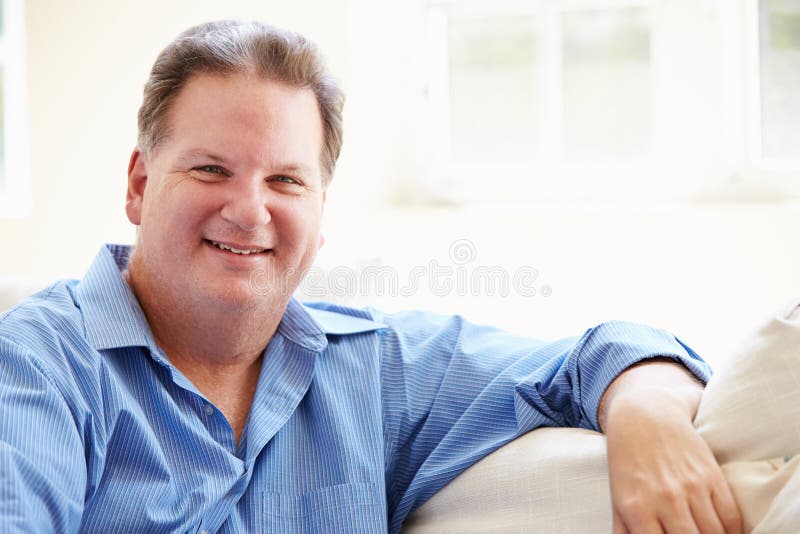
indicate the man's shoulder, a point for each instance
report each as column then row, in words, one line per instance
column 52, row 305
column 40, row 323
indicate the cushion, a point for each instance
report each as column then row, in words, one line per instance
column 750, row 417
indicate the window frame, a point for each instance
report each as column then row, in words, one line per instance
column 16, row 194
column 740, row 172
column 781, row 171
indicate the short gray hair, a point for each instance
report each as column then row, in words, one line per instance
column 229, row 47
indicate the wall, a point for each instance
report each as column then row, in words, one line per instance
column 707, row 271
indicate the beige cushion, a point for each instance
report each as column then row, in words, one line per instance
column 555, row 480
column 750, row 417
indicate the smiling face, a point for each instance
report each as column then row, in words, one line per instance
column 229, row 205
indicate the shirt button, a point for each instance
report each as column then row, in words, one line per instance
column 209, row 411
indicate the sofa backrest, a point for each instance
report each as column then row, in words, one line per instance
column 14, row 290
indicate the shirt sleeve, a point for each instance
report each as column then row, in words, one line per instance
column 454, row 391
column 42, row 465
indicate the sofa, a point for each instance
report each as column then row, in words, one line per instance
column 555, row 480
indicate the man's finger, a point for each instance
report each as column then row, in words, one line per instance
column 619, row 526
column 678, row 520
column 705, row 515
column 727, row 509
column 637, row 522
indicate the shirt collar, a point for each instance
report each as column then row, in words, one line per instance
column 113, row 318
column 310, row 327
column 334, row 320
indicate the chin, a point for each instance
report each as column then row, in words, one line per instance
column 241, row 298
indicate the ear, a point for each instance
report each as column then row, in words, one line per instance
column 137, row 181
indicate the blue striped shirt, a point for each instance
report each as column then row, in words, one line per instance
column 358, row 418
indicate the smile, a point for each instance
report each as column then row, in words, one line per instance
column 223, row 246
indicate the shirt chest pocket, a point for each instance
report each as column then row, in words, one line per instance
column 353, row 507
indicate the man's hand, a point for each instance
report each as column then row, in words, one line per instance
column 663, row 476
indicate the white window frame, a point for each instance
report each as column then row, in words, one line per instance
column 15, row 196
column 742, row 173
column 783, row 173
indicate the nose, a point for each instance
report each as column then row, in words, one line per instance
column 246, row 205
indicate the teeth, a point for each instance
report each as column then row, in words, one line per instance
column 237, row 250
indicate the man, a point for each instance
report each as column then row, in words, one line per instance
column 164, row 393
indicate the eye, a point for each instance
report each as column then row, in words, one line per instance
column 211, row 169
column 285, row 179
column 210, row 173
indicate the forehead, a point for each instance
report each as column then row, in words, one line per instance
column 246, row 115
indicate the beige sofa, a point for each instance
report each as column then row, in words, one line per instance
column 555, row 480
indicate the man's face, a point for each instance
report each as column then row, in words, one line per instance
column 230, row 203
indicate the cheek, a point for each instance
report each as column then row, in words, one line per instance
column 173, row 215
column 301, row 223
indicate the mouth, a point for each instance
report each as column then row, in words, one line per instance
column 242, row 250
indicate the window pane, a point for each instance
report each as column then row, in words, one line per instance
column 2, row 131
column 780, row 77
column 606, row 82
column 492, row 87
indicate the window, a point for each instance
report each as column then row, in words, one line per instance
column 15, row 189
column 540, row 96
column 602, row 98
column 779, row 59
column 489, row 57
column 606, row 82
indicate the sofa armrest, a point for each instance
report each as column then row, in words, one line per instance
column 549, row 480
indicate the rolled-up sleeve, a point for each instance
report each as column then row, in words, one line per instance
column 605, row 351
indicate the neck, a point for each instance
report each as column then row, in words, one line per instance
column 208, row 340
column 202, row 336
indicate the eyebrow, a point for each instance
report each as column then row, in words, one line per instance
column 295, row 168
column 194, row 154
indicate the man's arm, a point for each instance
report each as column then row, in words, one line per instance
column 663, row 476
